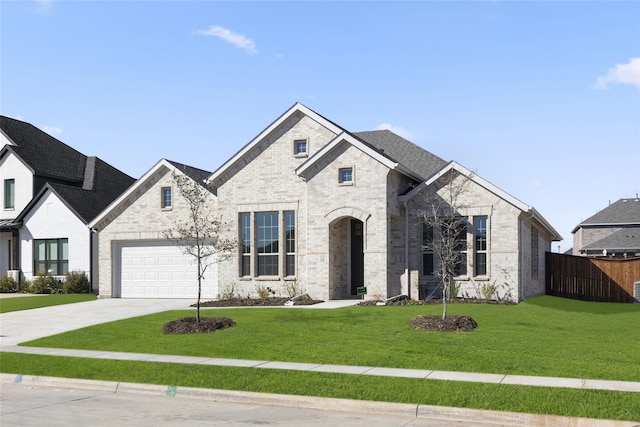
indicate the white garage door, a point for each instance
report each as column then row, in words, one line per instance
column 161, row 270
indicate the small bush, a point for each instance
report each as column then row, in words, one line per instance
column 488, row 290
column 229, row 291
column 292, row 288
column 45, row 285
column 263, row 292
column 7, row 284
column 76, row 282
column 454, row 290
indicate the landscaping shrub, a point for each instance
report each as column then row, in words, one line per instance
column 7, row 284
column 76, row 282
column 45, row 285
column 489, row 290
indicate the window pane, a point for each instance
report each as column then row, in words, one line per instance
column 481, row 264
column 166, row 197
column 64, row 244
column 300, row 146
column 461, row 266
column 9, row 193
column 40, row 253
column 267, row 243
column 345, row 175
column 290, row 236
column 427, row 264
column 52, row 248
column 480, row 225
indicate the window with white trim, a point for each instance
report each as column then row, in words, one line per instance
column 165, row 198
column 300, row 148
column 290, row 243
column 480, row 245
column 345, row 176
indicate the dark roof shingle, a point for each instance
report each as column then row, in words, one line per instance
column 416, row 159
column 624, row 211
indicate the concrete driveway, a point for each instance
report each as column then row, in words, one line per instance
column 27, row 325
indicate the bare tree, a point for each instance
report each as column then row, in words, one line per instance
column 199, row 235
column 446, row 238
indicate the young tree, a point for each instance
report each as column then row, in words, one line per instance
column 442, row 202
column 200, row 234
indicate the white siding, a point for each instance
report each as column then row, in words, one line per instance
column 12, row 168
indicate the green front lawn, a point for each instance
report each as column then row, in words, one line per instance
column 541, row 400
column 544, row 336
column 28, row 302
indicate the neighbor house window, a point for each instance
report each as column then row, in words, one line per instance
column 245, row 244
column 51, row 256
column 345, row 176
column 267, row 243
column 166, row 197
column 9, row 193
column 300, row 147
column 534, row 252
column 427, row 250
column 480, row 245
column 290, row 243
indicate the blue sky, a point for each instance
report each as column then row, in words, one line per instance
column 542, row 99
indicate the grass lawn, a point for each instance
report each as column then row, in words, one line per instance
column 544, row 336
column 541, row 400
column 28, row 302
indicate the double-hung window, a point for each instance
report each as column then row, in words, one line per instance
column 480, row 245
column 165, row 196
column 290, row 243
column 267, row 243
column 9, row 193
column 427, row 249
column 245, row 244
column 51, row 256
column 455, row 234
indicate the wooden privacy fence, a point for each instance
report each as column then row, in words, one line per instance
column 591, row 279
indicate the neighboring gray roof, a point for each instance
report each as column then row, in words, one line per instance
column 398, row 149
column 47, row 156
column 627, row 238
column 624, row 211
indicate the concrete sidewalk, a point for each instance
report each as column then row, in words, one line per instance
column 577, row 383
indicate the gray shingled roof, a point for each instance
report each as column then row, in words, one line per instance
column 416, row 159
column 198, row 175
column 627, row 238
column 86, row 184
column 46, row 155
column 624, row 211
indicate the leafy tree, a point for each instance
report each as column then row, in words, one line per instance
column 200, row 234
column 442, row 202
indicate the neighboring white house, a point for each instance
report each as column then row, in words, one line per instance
column 330, row 211
column 49, row 193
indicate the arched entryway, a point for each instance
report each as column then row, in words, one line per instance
column 346, row 257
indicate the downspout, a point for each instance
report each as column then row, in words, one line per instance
column 407, row 270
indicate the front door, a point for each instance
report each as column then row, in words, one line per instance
column 357, row 255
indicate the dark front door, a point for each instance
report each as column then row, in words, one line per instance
column 357, row 255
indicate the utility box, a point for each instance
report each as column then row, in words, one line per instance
column 636, row 293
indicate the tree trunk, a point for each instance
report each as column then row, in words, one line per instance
column 199, row 289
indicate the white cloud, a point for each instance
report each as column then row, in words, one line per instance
column 622, row 74
column 52, row 130
column 238, row 40
column 398, row 130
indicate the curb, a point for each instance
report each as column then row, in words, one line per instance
column 463, row 415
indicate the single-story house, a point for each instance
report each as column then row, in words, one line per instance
column 329, row 212
column 49, row 193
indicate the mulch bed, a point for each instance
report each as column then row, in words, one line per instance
column 255, row 302
column 450, row 323
column 188, row 325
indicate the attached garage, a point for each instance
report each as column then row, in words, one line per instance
column 159, row 269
